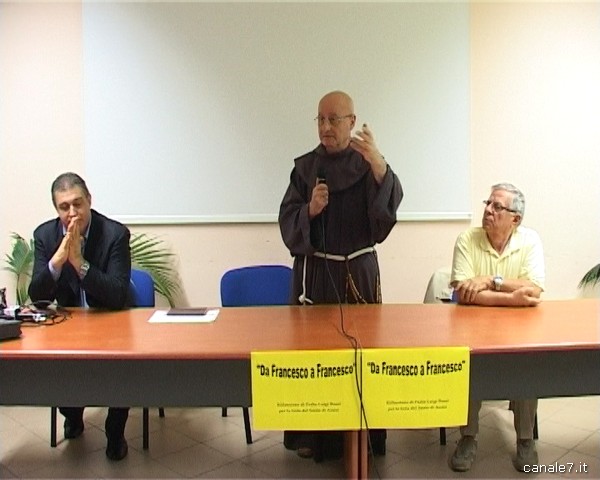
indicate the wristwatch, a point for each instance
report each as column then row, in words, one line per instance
column 83, row 269
column 498, row 281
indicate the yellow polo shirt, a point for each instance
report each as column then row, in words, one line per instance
column 523, row 257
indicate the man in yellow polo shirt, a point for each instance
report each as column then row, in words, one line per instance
column 500, row 263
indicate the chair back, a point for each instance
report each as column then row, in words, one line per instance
column 142, row 289
column 439, row 286
column 256, row 285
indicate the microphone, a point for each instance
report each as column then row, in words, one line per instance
column 321, row 176
column 322, row 179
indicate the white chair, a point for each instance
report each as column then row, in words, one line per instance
column 438, row 286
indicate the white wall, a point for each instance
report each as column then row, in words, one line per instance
column 535, row 102
column 535, row 68
column 201, row 94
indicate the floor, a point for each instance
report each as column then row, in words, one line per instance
column 199, row 443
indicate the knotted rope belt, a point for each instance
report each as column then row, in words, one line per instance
column 337, row 258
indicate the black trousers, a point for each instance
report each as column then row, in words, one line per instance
column 114, row 424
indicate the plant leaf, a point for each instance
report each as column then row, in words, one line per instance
column 591, row 278
column 20, row 262
column 150, row 254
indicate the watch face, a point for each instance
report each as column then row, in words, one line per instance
column 85, row 266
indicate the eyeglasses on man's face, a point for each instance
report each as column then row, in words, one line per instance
column 498, row 207
column 334, row 120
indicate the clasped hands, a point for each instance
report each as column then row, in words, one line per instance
column 69, row 249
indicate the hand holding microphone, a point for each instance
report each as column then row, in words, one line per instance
column 320, row 195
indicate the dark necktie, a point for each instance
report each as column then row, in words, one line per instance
column 82, row 298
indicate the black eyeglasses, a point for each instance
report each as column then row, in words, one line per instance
column 334, row 120
column 32, row 315
column 41, row 319
column 498, row 207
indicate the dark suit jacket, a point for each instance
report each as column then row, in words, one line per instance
column 106, row 284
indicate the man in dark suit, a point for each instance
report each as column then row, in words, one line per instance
column 82, row 258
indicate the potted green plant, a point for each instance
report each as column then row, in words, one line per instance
column 591, row 278
column 147, row 253
column 20, row 262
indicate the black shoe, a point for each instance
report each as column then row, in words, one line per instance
column 73, row 428
column 379, row 448
column 116, row 449
column 378, row 438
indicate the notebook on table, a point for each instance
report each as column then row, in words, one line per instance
column 188, row 311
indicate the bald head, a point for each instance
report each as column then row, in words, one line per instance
column 339, row 98
column 336, row 121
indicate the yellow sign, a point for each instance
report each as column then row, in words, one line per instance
column 416, row 387
column 305, row 390
column 322, row 390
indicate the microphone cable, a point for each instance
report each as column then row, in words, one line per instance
column 354, row 342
